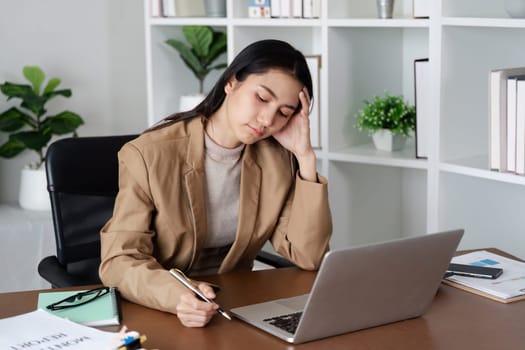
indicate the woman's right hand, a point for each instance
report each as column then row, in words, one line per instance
column 193, row 312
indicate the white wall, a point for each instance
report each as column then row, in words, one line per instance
column 96, row 47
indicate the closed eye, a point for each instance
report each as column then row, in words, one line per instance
column 260, row 98
column 284, row 114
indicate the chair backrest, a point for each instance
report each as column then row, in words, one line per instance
column 82, row 177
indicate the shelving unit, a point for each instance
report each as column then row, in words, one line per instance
column 376, row 195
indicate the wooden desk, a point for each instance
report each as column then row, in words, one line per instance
column 456, row 320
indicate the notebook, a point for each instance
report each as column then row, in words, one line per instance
column 104, row 311
column 360, row 287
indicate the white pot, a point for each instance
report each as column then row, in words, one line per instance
column 33, row 193
column 215, row 8
column 188, row 102
column 384, row 140
column 515, row 8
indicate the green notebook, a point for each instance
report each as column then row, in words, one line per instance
column 104, row 311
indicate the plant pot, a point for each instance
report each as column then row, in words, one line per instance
column 515, row 8
column 385, row 8
column 215, row 8
column 188, row 102
column 384, row 140
column 33, row 193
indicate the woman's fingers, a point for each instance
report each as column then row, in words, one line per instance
column 193, row 312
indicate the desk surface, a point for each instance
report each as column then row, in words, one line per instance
column 456, row 319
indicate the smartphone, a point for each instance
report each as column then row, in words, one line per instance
column 474, row 271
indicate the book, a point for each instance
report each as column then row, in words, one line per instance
column 423, row 105
column 155, row 8
column 421, row 8
column 520, row 127
column 511, row 125
column 275, row 8
column 296, row 8
column 311, row 8
column 259, row 8
column 286, row 8
column 314, row 65
column 103, row 311
column 190, row 8
column 498, row 116
column 507, row 288
column 169, row 8
column 183, row 8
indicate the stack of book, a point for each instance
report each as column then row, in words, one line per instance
column 177, row 8
column 507, row 120
column 284, row 8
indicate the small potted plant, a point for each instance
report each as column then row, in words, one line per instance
column 206, row 45
column 31, row 128
column 388, row 119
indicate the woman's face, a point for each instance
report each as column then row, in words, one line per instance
column 261, row 105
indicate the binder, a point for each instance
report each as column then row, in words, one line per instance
column 104, row 311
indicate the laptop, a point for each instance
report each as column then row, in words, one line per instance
column 360, row 287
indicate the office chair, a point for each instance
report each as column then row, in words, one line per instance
column 82, row 181
column 82, row 177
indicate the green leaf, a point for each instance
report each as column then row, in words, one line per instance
column 32, row 139
column 11, row 149
column 219, row 66
column 51, row 85
column 13, row 119
column 36, row 76
column 200, row 38
column 187, row 55
column 63, row 123
column 218, row 47
column 35, row 104
column 16, row 90
column 64, row 92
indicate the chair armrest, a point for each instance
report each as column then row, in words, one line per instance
column 273, row 259
column 58, row 275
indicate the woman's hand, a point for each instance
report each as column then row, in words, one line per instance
column 295, row 137
column 193, row 312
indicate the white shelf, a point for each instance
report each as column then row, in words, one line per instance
column 476, row 167
column 483, row 22
column 367, row 154
column 376, row 195
column 379, row 23
column 182, row 21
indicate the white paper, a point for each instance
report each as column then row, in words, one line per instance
column 39, row 330
column 510, row 284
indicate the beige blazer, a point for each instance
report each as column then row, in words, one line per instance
column 159, row 219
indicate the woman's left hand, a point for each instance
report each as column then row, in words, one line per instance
column 295, row 136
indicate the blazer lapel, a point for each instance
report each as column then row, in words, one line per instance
column 194, row 185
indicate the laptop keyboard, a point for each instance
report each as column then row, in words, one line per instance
column 286, row 322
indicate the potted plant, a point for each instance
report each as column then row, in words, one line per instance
column 31, row 128
column 389, row 119
column 205, row 46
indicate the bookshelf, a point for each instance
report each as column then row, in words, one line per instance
column 374, row 195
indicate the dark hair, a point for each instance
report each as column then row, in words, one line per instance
column 258, row 57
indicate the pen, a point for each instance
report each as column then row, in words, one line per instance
column 181, row 277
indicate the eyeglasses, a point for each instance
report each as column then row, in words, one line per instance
column 79, row 299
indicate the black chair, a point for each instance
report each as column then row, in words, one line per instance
column 82, row 177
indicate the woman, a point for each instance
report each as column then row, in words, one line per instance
column 205, row 189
